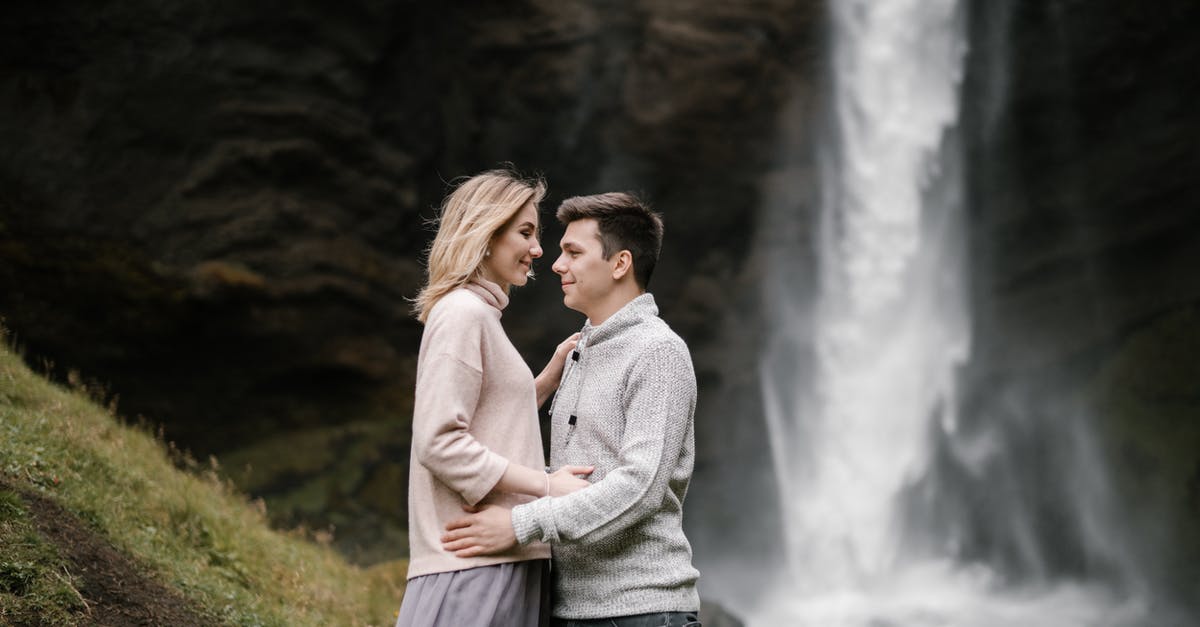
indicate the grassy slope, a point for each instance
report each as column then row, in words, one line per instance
column 193, row 532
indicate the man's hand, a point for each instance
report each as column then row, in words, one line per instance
column 485, row 531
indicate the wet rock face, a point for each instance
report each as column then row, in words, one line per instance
column 199, row 214
column 1086, row 199
column 1085, row 236
column 219, row 213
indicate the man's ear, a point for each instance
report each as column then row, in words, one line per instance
column 623, row 265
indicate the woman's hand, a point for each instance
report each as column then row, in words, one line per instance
column 566, row 480
column 560, row 353
column 520, row 479
column 547, row 381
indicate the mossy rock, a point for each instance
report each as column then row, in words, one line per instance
column 1148, row 399
column 349, row 479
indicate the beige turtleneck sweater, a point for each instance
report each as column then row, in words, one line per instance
column 475, row 410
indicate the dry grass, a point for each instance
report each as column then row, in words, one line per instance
column 192, row 528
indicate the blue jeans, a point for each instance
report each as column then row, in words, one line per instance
column 658, row 619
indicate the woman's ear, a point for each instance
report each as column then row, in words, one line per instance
column 623, row 265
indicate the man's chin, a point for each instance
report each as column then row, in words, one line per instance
column 569, row 303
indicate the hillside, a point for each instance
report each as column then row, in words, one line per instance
column 103, row 523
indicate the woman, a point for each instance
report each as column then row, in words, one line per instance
column 475, row 429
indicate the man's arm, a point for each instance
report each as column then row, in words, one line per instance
column 658, row 410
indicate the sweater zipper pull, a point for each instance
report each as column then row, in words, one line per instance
column 570, row 428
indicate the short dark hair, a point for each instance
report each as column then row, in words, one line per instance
column 626, row 223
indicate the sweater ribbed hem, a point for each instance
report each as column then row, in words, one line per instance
column 631, row 604
column 433, row 564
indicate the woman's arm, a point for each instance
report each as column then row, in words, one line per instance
column 518, row 479
column 447, row 390
column 547, row 381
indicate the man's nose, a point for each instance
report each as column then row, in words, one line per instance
column 560, row 265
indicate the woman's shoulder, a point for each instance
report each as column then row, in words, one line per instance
column 459, row 306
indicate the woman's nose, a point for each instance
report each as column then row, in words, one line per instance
column 536, row 251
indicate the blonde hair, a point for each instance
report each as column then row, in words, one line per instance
column 470, row 216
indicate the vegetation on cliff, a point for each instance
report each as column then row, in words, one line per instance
column 103, row 523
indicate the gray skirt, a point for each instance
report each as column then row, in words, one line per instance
column 516, row 594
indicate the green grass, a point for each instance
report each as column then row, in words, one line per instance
column 33, row 578
column 194, row 531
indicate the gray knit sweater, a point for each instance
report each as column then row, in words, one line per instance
column 619, row 547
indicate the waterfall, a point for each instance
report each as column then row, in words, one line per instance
column 855, row 388
column 890, row 321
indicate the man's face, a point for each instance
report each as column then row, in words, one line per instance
column 587, row 278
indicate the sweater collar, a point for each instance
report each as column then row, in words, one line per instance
column 633, row 313
column 489, row 292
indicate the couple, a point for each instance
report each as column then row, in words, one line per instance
column 483, row 511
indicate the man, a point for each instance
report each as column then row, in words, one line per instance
column 625, row 405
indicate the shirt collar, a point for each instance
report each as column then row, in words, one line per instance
column 489, row 292
column 633, row 313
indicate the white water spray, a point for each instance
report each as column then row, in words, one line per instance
column 889, row 331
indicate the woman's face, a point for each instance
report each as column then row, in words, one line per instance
column 514, row 247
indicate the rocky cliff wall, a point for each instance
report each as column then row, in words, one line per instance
column 1085, row 237
column 217, row 211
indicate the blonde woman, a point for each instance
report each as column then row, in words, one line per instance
column 476, row 438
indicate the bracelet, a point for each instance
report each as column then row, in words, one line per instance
column 547, row 484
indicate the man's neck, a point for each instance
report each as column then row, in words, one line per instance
column 617, row 299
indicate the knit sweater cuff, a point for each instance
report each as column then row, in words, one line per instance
column 526, row 521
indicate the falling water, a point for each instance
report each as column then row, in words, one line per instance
column 887, row 335
column 890, row 323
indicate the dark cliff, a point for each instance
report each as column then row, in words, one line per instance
column 218, row 214
column 1085, row 238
